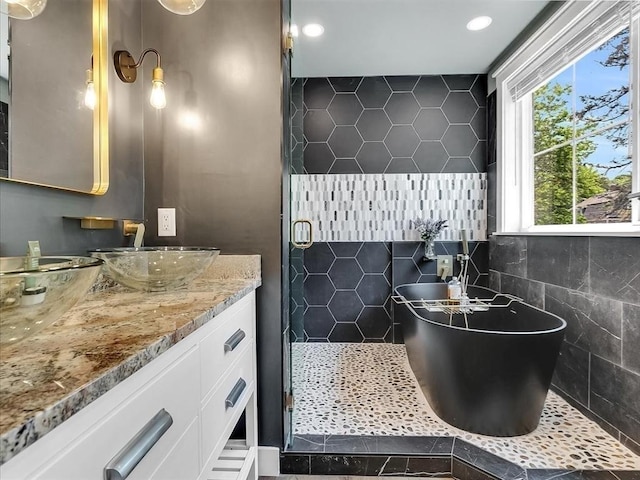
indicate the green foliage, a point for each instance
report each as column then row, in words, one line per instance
column 554, row 170
column 623, row 182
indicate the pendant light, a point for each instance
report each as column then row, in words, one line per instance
column 182, row 7
column 25, row 9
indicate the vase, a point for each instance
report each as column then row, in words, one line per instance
column 429, row 249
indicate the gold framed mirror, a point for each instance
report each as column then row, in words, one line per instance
column 54, row 138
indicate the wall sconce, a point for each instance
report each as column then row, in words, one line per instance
column 90, row 93
column 182, row 7
column 25, row 9
column 127, row 68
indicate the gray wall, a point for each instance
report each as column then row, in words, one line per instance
column 224, row 179
column 36, row 213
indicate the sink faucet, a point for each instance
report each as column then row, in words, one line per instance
column 131, row 228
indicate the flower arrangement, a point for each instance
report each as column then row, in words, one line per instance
column 429, row 229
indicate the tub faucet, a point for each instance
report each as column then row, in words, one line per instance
column 444, row 273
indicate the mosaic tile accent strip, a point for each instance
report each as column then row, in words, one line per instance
column 369, row 389
column 380, row 207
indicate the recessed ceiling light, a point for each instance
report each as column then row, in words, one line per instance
column 479, row 23
column 313, row 30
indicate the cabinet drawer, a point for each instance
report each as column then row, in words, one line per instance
column 222, row 347
column 175, row 390
column 216, row 412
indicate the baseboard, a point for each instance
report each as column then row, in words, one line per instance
column 268, row 461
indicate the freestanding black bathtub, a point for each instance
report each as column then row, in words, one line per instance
column 491, row 378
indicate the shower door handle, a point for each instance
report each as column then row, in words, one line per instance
column 294, row 242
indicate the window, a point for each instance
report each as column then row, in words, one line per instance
column 568, row 153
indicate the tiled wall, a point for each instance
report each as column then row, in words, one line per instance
column 390, row 124
column 373, row 153
column 348, row 286
column 380, row 207
column 594, row 284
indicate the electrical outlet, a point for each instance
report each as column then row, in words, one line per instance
column 166, row 222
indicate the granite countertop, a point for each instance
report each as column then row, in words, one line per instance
column 106, row 337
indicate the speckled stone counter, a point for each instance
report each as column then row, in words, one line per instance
column 105, row 338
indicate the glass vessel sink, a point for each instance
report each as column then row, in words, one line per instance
column 37, row 291
column 155, row 269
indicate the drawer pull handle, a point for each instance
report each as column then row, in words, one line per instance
column 233, row 397
column 234, row 340
column 126, row 459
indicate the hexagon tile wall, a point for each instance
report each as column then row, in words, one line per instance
column 372, row 153
column 347, row 287
column 418, row 124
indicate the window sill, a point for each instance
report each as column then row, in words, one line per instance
column 630, row 232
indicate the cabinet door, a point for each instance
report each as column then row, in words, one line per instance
column 176, row 390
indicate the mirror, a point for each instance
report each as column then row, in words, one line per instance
column 48, row 136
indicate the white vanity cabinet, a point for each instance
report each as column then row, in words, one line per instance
column 198, row 389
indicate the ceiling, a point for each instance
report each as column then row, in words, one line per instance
column 404, row 37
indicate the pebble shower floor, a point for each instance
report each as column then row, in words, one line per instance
column 369, row 389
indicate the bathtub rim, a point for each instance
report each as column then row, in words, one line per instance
column 561, row 327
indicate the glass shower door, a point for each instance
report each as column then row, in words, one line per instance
column 299, row 238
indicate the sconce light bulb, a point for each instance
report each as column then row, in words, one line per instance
column 90, row 96
column 90, row 92
column 25, row 9
column 158, row 99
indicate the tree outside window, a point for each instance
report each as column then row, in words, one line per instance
column 582, row 168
